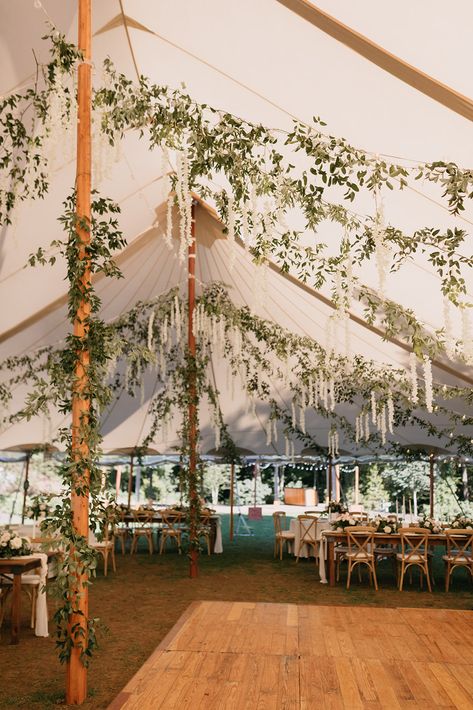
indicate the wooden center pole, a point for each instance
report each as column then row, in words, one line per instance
column 357, row 484
column 76, row 674
column 232, row 483
column 130, row 480
column 26, row 485
column 192, row 411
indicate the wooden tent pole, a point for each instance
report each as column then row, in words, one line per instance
column 357, row 484
column 26, row 485
column 432, row 464
column 232, row 483
column 130, row 481
column 192, row 409
column 76, row 674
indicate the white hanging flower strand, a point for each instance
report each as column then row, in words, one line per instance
column 449, row 337
column 467, row 340
column 333, row 443
column 150, row 330
column 381, row 250
column 231, row 230
column 413, row 377
column 427, row 367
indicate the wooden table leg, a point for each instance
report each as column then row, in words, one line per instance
column 15, row 609
column 331, row 562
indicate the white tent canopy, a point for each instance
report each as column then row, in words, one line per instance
column 264, row 63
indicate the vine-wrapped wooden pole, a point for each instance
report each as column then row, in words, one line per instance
column 130, row 481
column 26, row 485
column 76, row 679
column 194, row 505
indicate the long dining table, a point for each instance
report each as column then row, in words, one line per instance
column 331, row 538
column 216, row 546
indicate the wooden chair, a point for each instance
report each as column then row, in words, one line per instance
column 459, row 552
column 281, row 535
column 105, row 547
column 171, row 529
column 360, row 515
column 308, row 534
column 30, row 584
column 414, row 553
column 205, row 528
column 121, row 530
column 361, row 552
column 143, row 527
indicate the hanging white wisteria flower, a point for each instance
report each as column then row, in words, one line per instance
column 358, row 428
column 373, row 407
column 449, row 336
column 367, row 426
column 184, row 201
column 231, row 230
column 167, row 186
column 382, row 252
column 413, row 378
column 333, row 443
column 467, row 339
column 390, row 410
column 293, row 414
column 331, row 394
column 152, row 316
column 302, row 419
column 427, row 368
column 286, row 447
column 269, row 432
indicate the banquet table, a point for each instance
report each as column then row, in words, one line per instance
column 331, row 537
column 17, row 566
column 216, row 543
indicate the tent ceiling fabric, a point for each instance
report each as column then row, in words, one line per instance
column 271, row 67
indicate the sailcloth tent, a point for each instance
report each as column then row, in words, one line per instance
column 270, row 63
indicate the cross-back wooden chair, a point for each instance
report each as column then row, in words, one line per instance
column 205, row 528
column 414, row 553
column 282, row 536
column 121, row 530
column 106, row 546
column 459, row 553
column 143, row 527
column 361, row 552
column 308, row 534
column 171, row 529
column 360, row 515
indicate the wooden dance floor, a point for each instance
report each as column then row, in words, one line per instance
column 240, row 656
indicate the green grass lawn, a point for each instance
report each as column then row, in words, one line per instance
column 144, row 599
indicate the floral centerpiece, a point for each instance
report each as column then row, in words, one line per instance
column 13, row 545
column 462, row 522
column 39, row 508
column 384, row 525
column 433, row 526
column 344, row 520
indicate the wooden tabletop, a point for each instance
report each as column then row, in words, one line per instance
column 18, row 565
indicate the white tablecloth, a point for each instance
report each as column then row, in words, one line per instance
column 322, row 525
column 218, row 547
column 41, row 626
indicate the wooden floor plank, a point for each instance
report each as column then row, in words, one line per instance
column 243, row 655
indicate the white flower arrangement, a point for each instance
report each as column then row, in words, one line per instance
column 429, row 524
column 343, row 521
column 383, row 525
column 13, row 545
column 462, row 522
column 39, row 507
